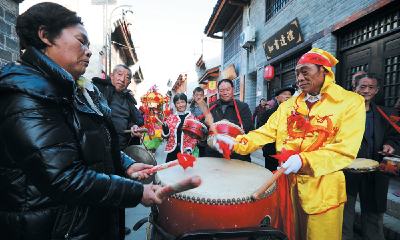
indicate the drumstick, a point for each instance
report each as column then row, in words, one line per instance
column 154, row 169
column 183, row 160
column 184, row 185
column 141, row 130
column 257, row 194
column 391, row 154
column 158, row 119
column 209, row 120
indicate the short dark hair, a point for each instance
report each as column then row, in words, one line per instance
column 198, row 89
column 180, row 96
column 262, row 99
column 123, row 66
column 52, row 16
column 225, row 80
column 377, row 77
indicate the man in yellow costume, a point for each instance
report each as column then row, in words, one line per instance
column 318, row 133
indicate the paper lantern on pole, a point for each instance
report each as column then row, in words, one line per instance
column 269, row 73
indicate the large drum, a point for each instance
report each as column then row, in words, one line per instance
column 140, row 155
column 194, row 129
column 224, row 128
column 222, row 201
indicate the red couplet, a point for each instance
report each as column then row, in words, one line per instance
column 177, row 216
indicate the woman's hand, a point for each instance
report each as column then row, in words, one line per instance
column 149, row 197
column 138, row 167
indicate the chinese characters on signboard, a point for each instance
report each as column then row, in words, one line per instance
column 286, row 38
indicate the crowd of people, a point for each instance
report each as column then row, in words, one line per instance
column 64, row 174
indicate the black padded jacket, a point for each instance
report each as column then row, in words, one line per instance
column 60, row 167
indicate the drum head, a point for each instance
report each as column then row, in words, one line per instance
column 221, row 179
column 363, row 165
column 140, row 155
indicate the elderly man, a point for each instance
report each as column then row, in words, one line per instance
column 224, row 109
column 120, row 99
column 281, row 95
column 372, row 187
column 258, row 111
column 353, row 80
column 318, row 133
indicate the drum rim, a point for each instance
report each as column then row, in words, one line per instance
column 223, row 201
column 196, row 121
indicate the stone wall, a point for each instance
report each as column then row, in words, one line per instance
column 9, row 44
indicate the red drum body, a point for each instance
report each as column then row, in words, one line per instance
column 222, row 201
column 194, row 129
column 225, row 128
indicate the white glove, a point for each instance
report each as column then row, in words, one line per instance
column 226, row 140
column 293, row 164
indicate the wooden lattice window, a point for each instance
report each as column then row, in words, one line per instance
column 351, row 71
column 371, row 29
column 391, row 80
column 272, row 7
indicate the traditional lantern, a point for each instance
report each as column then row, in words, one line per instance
column 269, row 73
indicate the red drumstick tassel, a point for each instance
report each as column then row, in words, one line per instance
column 225, row 149
column 186, row 160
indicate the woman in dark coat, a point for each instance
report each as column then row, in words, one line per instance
column 60, row 167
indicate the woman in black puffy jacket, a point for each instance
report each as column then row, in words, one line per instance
column 61, row 174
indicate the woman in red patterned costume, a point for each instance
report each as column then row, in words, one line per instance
column 177, row 140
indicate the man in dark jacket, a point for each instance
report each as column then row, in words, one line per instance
column 120, row 99
column 225, row 110
column 281, row 95
column 198, row 96
column 372, row 187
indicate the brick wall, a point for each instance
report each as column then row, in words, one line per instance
column 313, row 16
column 9, row 44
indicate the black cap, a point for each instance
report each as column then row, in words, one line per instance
column 279, row 91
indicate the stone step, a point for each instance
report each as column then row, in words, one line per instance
column 391, row 225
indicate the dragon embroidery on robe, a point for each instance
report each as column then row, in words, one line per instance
column 299, row 126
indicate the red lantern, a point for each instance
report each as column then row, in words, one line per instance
column 210, row 100
column 214, row 98
column 269, row 72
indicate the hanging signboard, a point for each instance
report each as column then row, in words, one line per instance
column 285, row 39
column 212, row 87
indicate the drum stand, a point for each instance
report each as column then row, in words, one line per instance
column 263, row 232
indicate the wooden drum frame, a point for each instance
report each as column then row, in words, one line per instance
column 222, row 201
column 194, row 129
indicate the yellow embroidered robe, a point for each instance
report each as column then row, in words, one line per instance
column 323, row 186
